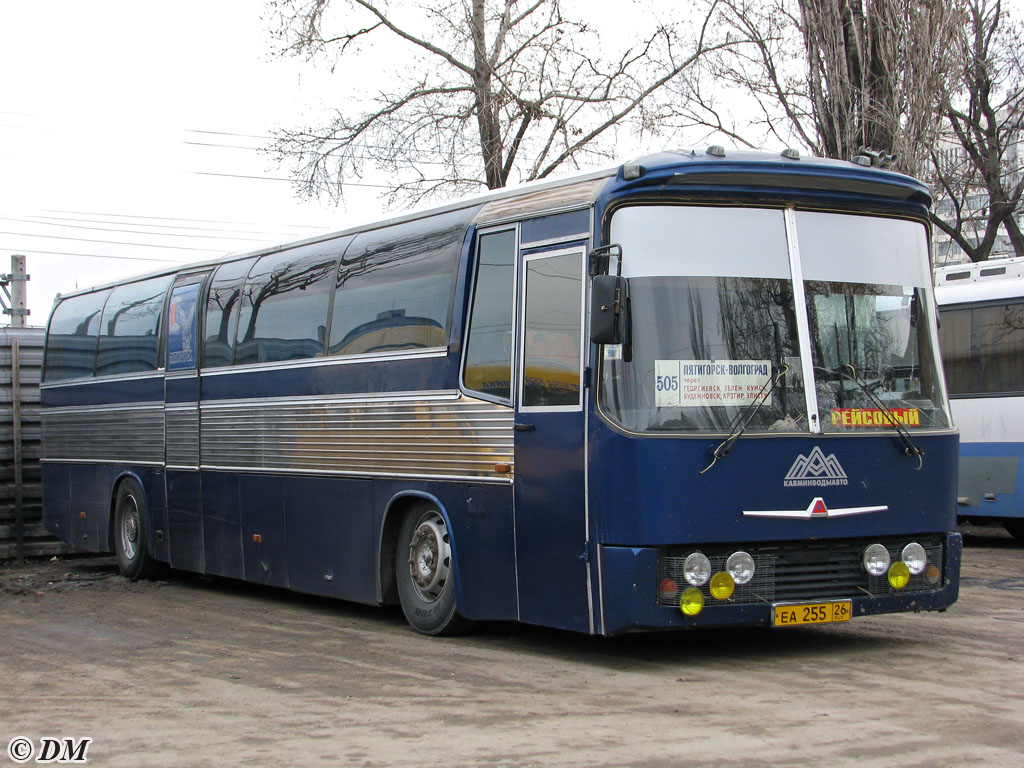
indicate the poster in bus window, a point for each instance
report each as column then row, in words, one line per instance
column 181, row 325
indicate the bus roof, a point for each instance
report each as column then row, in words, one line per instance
column 680, row 168
column 982, row 281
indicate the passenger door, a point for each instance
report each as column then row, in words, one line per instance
column 181, row 420
column 549, row 485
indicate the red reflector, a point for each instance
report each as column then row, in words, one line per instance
column 257, row 538
column 668, row 589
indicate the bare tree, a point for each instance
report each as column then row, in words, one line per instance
column 978, row 171
column 490, row 91
column 835, row 75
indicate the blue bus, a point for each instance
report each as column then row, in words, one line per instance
column 981, row 332
column 696, row 389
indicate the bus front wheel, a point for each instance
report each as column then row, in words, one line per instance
column 1015, row 528
column 130, row 516
column 425, row 571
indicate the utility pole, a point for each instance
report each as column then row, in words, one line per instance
column 13, row 298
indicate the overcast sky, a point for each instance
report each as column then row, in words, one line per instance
column 129, row 137
column 130, row 130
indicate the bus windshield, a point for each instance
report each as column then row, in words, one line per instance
column 715, row 322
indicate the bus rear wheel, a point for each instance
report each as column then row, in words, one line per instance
column 425, row 572
column 130, row 516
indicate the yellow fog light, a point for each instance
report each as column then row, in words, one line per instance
column 722, row 586
column 691, row 602
column 932, row 575
column 899, row 575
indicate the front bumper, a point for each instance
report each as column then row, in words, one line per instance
column 630, row 578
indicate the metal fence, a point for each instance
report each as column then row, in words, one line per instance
column 21, row 507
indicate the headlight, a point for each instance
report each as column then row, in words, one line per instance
column 876, row 560
column 697, row 569
column 691, row 602
column 915, row 557
column 740, row 566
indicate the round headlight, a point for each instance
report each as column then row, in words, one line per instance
column 691, row 602
column 915, row 557
column 740, row 566
column 722, row 586
column 899, row 575
column 697, row 569
column 876, row 560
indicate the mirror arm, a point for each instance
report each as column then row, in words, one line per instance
column 601, row 257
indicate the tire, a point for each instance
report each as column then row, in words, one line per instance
column 1015, row 527
column 130, row 520
column 425, row 573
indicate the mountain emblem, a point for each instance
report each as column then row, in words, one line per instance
column 816, row 469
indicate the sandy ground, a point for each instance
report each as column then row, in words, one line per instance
column 193, row 672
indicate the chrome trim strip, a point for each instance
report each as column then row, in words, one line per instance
column 357, row 399
column 344, row 473
column 131, row 462
column 114, row 378
column 379, row 436
column 319, row 362
column 808, row 514
column 176, row 468
column 181, row 435
column 131, row 433
column 64, row 410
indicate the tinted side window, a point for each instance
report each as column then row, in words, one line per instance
column 71, row 337
column 283, row 313
column 489, row 346
column 395, row 286
column 222, row 311
column 955, row 342
column 129, row 330
column 983, row 349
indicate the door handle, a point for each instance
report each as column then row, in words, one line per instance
column 520, row 427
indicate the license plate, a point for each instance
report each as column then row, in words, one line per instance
column 810, row 613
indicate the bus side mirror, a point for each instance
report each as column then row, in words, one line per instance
column 608, row 309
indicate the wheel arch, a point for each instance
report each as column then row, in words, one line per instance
column 395, row 510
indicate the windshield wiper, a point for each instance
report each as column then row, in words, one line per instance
column 741, row 421
column 910, row 447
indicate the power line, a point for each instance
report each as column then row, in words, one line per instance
column 113, row 242
column 126, row 231
column 277, row 178
column 45, row 219
column 173, row 218
column 90, row 255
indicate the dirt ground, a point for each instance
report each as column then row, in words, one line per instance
column 193, row 672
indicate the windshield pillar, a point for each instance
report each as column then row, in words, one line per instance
column 802, row 323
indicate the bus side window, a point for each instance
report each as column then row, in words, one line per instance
column 997, row 340
column 489, row 344
column 395, row 286
column 71, row 337
column 955, row 342
column 284, row 305
column 552, row 331
column 129, row 330
column 222, row 312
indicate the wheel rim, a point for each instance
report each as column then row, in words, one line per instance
column 430, row 557
column 129, row 527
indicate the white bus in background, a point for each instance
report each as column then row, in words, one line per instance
column 981, row 331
